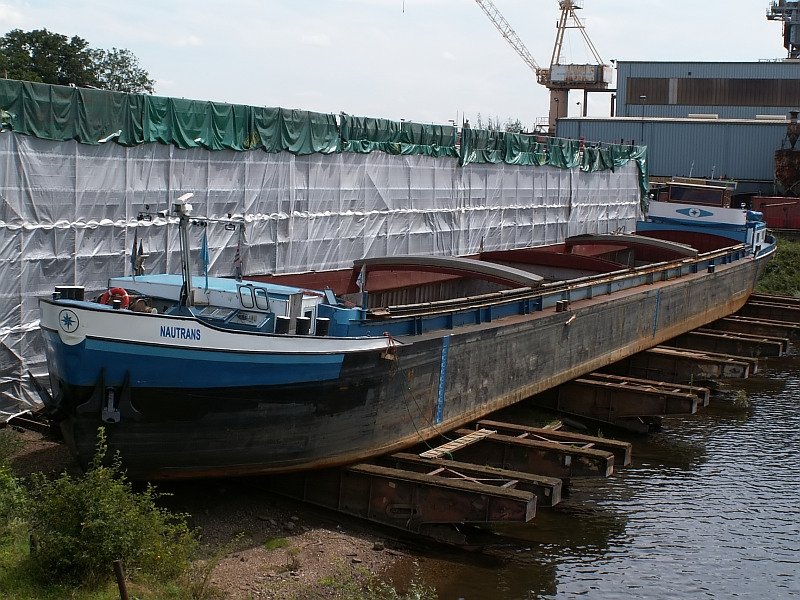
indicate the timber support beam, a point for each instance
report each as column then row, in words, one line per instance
column 771, row 308
column 738, row 344
column 683, row 366
column 626, row 404
column 546, row 489
column 737, row 324
column 406, row 499
column 620, row 450
column 536, row 456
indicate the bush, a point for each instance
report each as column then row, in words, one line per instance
column 81, row 525
column 12, row 502
column 362, row 585
column 12, row 494
column 9, row 444
column 782, row 273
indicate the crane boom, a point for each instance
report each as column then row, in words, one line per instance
column 505, row 29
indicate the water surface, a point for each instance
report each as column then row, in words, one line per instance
column 709, row 508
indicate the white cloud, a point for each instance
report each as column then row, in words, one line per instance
column 10, row 17
column 321, row 40
column 425, row 60
column 183, row 41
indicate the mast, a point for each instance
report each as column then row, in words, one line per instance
column 183, row 209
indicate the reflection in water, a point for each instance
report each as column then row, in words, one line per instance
column 709, row 508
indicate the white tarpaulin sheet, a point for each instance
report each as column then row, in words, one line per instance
column 68, row 216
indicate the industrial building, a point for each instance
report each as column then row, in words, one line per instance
column 724, row 90
column 717, row 120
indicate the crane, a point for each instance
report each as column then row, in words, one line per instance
column 559, row 78
column 787, row 11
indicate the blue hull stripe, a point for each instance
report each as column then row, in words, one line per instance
column 152, row 351
column 442, row 379
column 655, row 313
column 152, row 366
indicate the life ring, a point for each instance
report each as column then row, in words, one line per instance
column 116, row 293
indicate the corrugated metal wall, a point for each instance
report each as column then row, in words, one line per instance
column 730, row 90
column 741, row 150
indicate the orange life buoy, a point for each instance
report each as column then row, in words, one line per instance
column 116, row 294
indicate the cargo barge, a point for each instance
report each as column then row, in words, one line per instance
column 207, row 377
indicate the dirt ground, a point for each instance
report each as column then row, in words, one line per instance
column 264, row 546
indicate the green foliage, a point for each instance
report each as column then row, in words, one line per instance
column 275, row 543
column 118, row 70
column 12, row 502
column 494, row 124
column 46, row 57
column 513, row 126
column 9, row 444
column 416, row 591
column 782, row 274
column 365, row 586
column 82, row 525
column 197, row 579
column 12, row 494
column 740, row 400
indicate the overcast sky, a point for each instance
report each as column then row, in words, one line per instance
column 421, row 60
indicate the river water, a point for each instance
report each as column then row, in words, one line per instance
column 709, row 508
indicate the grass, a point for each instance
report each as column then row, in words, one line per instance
column 276, row 543
column 782, row 274
column 362, row 585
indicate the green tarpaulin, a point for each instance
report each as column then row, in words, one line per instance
column 480, row 146
column 96, row 116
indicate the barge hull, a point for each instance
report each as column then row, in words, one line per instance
column 384, row 403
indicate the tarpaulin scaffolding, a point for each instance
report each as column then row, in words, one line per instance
column 69, row 211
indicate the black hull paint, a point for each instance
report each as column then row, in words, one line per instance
column 383, row 405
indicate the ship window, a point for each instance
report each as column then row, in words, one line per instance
column 262, row 299
column 691, row 195
column 246, row 296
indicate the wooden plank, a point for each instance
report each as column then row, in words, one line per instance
column 456, row 444
column 620, row 450
column 682, row 366
column 546, row 489
column 620, row 404
column 738, row 324
column 788, row 313
column 702, row 393
column 536, row 456
column 405, row 499
column 729, row 343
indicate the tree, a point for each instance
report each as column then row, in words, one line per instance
column 48, row 57
column 118, row 69
column 514, row 126
column 510, row 126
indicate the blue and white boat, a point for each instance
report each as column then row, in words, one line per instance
column 228, row 377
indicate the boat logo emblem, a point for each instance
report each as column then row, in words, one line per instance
column 695, row 212
column 68, row 320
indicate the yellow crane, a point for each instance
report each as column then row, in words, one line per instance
column 559, row 78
